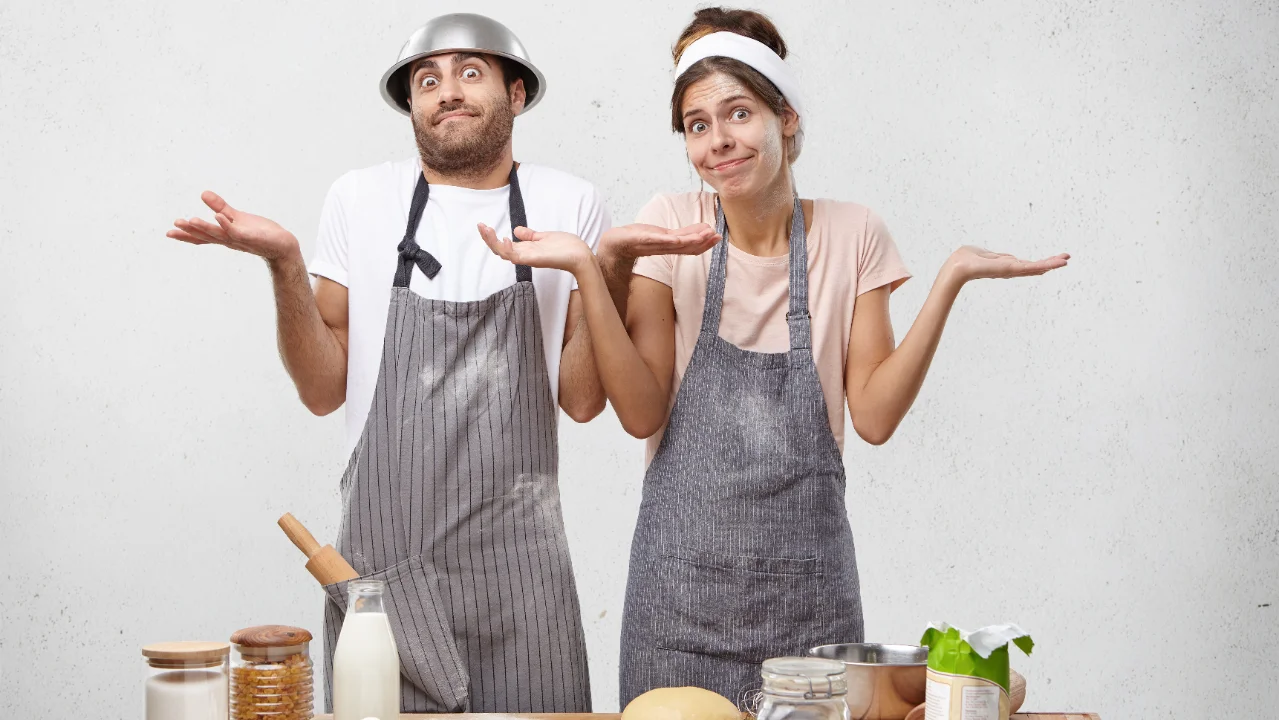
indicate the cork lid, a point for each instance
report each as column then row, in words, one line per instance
column 270, row 636
column 181, row 653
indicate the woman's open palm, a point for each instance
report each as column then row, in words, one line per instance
column 974, row 263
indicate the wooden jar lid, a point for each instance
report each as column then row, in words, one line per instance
column 186, row 652
column 270, row 636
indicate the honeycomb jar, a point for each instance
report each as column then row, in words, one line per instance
column 271, row 674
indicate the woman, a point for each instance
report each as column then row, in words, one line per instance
column 735, row 364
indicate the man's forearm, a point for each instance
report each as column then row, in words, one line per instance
column 313, row 354
column 581, row 394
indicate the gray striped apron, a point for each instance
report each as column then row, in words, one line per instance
column 451, row 498
column 742, row 550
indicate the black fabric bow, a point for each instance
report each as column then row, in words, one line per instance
column 424, row 260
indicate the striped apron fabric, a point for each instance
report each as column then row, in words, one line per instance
column 742, row 551
column 451, row 498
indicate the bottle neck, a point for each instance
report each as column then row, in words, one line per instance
column 364, row 597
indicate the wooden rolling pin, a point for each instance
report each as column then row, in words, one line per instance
column 325, row 563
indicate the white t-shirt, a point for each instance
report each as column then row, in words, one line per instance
column 363, row 221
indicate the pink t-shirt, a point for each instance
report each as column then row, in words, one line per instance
column 849, row 252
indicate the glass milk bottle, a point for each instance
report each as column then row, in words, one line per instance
column 366, row 665
column 803, row 689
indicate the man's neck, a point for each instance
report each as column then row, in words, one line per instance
column 490, row 178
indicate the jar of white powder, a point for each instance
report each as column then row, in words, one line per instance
column 187, row 680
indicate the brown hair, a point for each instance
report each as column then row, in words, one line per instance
column 747, row 23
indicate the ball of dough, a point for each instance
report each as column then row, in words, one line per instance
column 682, row 703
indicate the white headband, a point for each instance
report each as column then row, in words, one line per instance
column 754, row 54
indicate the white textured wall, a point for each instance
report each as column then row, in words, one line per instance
column 1093, row 456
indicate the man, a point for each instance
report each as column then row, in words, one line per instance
column 449, row 360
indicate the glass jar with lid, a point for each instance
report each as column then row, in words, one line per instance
column 186, row 680
column 797, row 688
column 271, row 674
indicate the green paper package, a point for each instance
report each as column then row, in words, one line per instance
column 968, row 672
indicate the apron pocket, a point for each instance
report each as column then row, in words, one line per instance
column 742, row 608
column 423, row 636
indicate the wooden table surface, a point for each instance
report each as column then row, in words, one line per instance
column 614, row 716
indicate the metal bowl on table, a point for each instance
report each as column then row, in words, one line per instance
column 885, row 682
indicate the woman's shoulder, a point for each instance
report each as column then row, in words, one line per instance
column 845, row 215
column 850, row 221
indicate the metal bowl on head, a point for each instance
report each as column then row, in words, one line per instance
column 461, row 32
column 885, row 682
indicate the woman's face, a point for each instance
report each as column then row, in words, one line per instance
column 736, row 143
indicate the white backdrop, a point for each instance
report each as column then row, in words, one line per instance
column 1093, row 455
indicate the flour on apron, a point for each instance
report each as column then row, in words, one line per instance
column 743, row 550
column 451, row 497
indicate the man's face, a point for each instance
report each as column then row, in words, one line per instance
column 463, row 111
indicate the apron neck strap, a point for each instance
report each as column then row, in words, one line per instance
column 797, row 316
column 412, row 254
column 523, row 273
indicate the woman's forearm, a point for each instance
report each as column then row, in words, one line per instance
column 892, row 386
column 617, row 270
column 637, row 397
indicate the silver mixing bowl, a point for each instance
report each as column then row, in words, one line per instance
column 885, row 682
column 461, row 32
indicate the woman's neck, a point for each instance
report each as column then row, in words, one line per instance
column 760, row 224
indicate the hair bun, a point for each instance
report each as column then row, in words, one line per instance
column 747, row 23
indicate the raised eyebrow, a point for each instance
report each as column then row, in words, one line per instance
column 461, row 57
column 722, row 103
column 464, row 56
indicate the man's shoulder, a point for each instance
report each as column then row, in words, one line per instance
column 559, row 182
column 374, row 179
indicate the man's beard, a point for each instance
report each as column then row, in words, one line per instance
column 472, row 152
